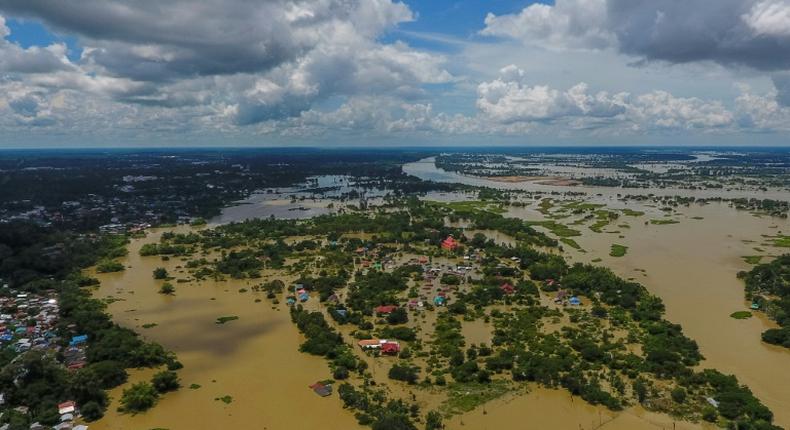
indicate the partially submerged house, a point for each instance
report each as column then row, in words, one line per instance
column 389, row 347
column 321, row 389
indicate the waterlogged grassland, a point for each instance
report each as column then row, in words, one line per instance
column 741, row 315
column 558, row 229
column 631, row 212
column 570, row 242
column 465, row 397
column 752, row 259
column 663, row 221
column 618, row 250
column 781, row 241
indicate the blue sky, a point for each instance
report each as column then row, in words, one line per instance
column 112, row 72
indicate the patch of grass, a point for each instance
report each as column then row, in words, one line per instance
column 225, row 399
column 109, row 266
column 464, row 397
column 194, row 386
column 741, row 315
column 631, row 212
column 603, row 218
column 545, row 206
column 752, row 259
column 618, row 250
column 223, row 320
column 663, row 221
column 698, row 218
column 570, row 242
column 781, row 241
column 596, row 260
column 556, row 228
column 580, row 206
column 149, row 325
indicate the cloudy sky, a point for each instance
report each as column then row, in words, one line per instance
column 382, row 72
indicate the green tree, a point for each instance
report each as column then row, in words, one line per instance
column 160, row 273
column 138, row 398
column 165, row 381
column 433, row 421
column 91, row 411
column 167, row 288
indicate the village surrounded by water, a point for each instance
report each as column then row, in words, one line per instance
column 251, row 370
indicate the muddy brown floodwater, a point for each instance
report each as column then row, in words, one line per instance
column 254, row 359
column 692, row 266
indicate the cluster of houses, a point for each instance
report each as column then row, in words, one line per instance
column 68, row 413
column 28, row 322
column 563, row 297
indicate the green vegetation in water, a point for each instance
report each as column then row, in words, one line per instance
column 224, row 399
column 631, row 212
column 560, row 230
column 545, row 206
column 471, row 206
column 618, row 250
column 138, row 398
column 225, row 319
column 741, row 315
column 752, row 259
column 570, row 242
column 603, row 218
column 768, row 289
column 464, row 397
column 663, row 221
column 781, row 241
column 167, row 289
column 109, row 266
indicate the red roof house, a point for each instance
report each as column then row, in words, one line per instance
column 390, row 348
column 450, row 243
column 384, row 310
column 507, row 288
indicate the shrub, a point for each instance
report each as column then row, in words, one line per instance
column 165, row 381
column 167, row 288
column 404, row 373
column 138, row 398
